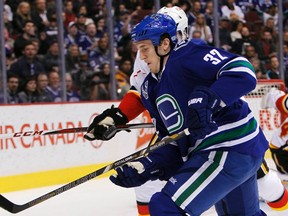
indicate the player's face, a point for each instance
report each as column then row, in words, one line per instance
column 148, row 54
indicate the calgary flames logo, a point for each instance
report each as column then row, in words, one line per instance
column 145, row 134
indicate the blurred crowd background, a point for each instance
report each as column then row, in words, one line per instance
column 32, row 47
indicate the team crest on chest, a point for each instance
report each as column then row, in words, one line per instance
column 170, row 112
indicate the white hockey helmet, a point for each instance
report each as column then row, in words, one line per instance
column 179, row 17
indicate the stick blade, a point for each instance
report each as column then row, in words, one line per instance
column 9, row 206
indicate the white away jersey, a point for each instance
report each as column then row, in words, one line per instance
column 140, row 71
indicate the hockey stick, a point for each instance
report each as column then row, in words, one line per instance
column 73, row 130
column 15, row 208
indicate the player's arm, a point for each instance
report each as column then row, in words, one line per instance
column 235, row 79
column 130, row 107
column 227, row 75
column 159, row 164
column 131, row 104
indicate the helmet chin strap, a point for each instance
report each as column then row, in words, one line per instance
column 162, row 60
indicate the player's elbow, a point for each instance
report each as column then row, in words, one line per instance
column 251, row 83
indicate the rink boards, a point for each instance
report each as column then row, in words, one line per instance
column 30, row 162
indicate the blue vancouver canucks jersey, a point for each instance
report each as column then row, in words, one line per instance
column 230, row 76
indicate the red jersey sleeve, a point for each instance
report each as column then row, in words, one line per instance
column 131, row 104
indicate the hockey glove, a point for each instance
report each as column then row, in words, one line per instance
column 136, row 173
column 103, row 125
column 201, row 106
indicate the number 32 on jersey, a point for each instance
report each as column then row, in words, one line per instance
column 214, row 56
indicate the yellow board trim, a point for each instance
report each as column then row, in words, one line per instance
column 48, row 178
column 53, row 177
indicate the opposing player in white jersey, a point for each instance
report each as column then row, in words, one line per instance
column 131, row 106
column 278, row 146
column 278, row 100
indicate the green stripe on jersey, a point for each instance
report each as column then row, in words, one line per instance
column 239, row 63
column 200, row 180
column 228, row 135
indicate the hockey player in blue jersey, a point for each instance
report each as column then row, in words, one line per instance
column 198, row 87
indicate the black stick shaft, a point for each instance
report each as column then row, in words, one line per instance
column 15, row 208
column 71, row 130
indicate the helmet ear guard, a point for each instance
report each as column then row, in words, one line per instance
column 165, row 35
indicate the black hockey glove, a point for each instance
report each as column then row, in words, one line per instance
column 103, row 125
column 201, row 106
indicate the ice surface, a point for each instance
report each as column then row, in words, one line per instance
column 98, row 197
